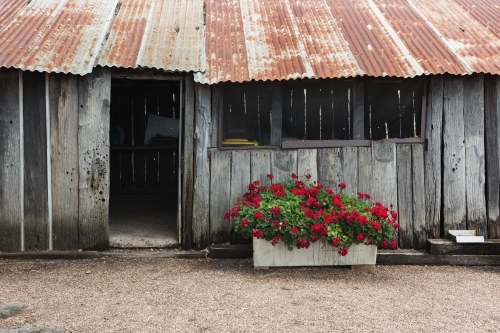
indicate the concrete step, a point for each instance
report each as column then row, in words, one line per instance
column 441, row 246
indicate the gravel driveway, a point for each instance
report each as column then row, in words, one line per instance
column 207, row 295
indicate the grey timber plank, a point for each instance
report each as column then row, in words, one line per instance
column 405, row 196
column 445, row 246
column 454, row 185
column 358, row 113
column 217, row 105
column 492, row 134
column 385, row 185
column 419, row 225
column 240, row 178
column 307, row 163
column 10, row 162
column 261, row 166
column 283, row 164
column 220, row 192
column 432, row 157
column 475, row 160
column 63, row 97
column 188, row 166
column 36, row 205
column 94, row 92
column 276, row 113
column 329, row 167
column 202, row 140
column 350, row 169
column 365, row 170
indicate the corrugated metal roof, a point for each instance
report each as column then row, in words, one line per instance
column 247, row 40
column 287, row 39
column 73, row 36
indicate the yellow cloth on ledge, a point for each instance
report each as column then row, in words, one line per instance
column 239, row 142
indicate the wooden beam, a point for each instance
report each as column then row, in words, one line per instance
column 188, row 165
column 94, row 92
column 36, row 209
column 144, row 74
column 276, row 113
column 202, row 139
column 432, row 157
column 419, row 224
column 475, row 160
column 63, row 98
column 405, row 196
column 358, row 112
column 220, row 192
column 454, row 185
column 492, row 134
column 217, row 105
column 10, row 161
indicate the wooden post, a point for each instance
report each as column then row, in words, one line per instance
column 475, row 159
column 276, row 113
column 217, row 105
column 36, row 209
column 358, row 112
column 202, row 140
column 405, row 196
column 188, row 165
column 63, row 98
column 220, row 192
column 454, row 187
column 10, row 161
column 492, row 133
column 94, row 92
column 419, row 225
column 432, row 157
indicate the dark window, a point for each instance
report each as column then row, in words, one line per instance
column 317, row 110
column 393, row 108
column 247, row 114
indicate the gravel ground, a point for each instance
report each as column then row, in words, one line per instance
column 204, row 295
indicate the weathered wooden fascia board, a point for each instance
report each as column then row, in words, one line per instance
column 94, row 92
column 202, row 140
column 11, row 177
column 144, row 74
column 188, row 165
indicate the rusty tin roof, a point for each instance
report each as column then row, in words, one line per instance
column 73, row 36
column 243, row 40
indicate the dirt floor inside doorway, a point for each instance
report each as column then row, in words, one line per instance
column 143, row 220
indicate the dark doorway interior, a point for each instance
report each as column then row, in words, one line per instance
column 144, row 177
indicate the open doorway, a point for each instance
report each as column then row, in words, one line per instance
column 144, row 163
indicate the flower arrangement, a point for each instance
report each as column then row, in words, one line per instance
column 300, row 212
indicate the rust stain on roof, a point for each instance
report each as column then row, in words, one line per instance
column 244, row 40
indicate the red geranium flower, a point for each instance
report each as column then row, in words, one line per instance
column 275, row 210
column 384, row 243
column 376, row 225
column 276, row 239
column 257, row 233
column 394, row 215
column 258, row 215
column 394, row 244
column 360, row 237
column 308, row 176
column 294, row 230
column 294, row 175
column 227, row 216
column 336, row 241
column 244, row 223
column 270, row 176
column 319, row 229
column 303, row 243
column 342, row 185
column 343, row 251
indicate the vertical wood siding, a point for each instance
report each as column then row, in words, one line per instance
column 93, row 152
column 36, row 208
column 63, row 95
column 10, row 162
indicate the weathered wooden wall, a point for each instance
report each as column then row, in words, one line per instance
column 75, row 209
column 451, row 181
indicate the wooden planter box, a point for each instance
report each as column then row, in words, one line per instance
column 318, row 254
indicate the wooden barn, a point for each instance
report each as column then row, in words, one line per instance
column 393, row 97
